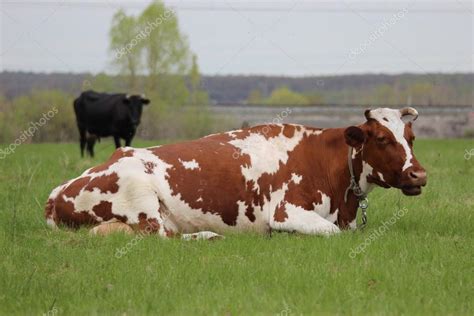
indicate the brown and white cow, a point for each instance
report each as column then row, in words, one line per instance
column 270, row 177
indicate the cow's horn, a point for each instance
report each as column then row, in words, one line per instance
column 409, row 111
column 143, row 96
column 127, row 96
column 367, row 114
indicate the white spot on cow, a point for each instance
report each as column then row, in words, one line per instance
column 265, row 154
column 50, row 222
column 296, row 178
column 392, row 120
column 324, row 208
column 200, row 199
column 312, row 132
column 363, row 183
column 232, row 133
column 190, row 165
column 332, row 217
column 210, row 135
column 305, row 222
column 355, row 151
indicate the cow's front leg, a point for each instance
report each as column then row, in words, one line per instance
column 128, row 141
column 289, row 217
column 117, row 142
column 90, row 144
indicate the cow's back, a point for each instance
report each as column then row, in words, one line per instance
column 95, row 106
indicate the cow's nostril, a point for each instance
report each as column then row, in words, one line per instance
column 417, row 175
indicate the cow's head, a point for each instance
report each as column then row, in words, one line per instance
column 135, row 105
column 386, row 141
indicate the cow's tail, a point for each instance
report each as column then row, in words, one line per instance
column 50, row 214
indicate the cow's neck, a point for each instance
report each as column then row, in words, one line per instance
column 336, row 166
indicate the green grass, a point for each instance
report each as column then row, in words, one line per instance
column 423, row 264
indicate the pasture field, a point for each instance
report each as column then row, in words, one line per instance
column 417, row 262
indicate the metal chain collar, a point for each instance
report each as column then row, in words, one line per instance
column 356, row 189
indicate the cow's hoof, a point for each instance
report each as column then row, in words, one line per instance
column 110, row 228
column 330, row 230
column 217, row 237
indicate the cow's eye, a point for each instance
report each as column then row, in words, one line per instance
column 381, row 140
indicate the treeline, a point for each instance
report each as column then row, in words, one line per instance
column 390, row 90
column 435, row 89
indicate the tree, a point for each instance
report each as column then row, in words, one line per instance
column 153, row 45
column 421, row 93
column 125, row 46
column 255, row 97
column 384, row 95
column 197, row 95
column 315, row 98
column 165, row 49
column 285, row 96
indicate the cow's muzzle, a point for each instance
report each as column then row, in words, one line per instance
column 414, row 180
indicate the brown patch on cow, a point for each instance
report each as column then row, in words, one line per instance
column 268, row 131
column 66, row 214
column 408, row 134
column 289, row 131
column 169, row 232
column 116, row 156
column 280, row 213
column 75, row 187
column 149, row 166
column 105, row 183
column 104, row 210
column 249, row 212
column 148, row 225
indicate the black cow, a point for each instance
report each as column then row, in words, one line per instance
column 101, row 115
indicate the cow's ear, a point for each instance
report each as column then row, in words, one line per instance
column 355, row 136
column 145, row 101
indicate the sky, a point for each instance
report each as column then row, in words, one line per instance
column 286, row 37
